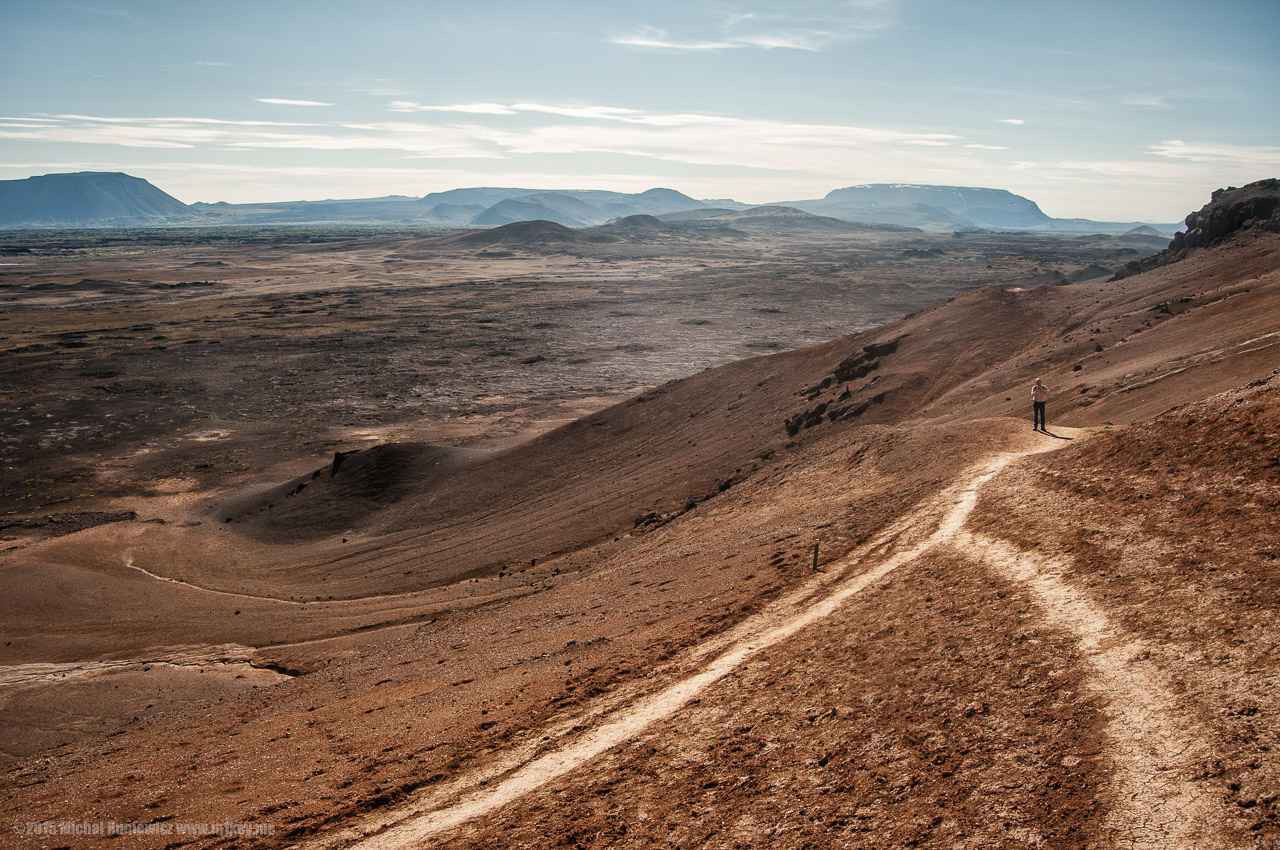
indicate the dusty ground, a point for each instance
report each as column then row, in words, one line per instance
column 1009, row 639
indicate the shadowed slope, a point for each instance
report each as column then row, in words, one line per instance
column 346, row 493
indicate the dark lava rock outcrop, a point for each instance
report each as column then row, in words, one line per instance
column 1229, row 211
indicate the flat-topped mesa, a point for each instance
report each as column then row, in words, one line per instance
column 1229, row 211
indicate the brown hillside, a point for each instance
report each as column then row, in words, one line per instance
column 620, row 634
column 637, row 465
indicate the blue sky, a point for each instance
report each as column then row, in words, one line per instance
column 1120, row 110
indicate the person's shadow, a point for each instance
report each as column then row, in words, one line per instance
column 1049, row 433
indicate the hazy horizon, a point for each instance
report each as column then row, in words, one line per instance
column 1117, row 112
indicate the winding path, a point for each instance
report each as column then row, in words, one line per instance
column 1153, row 746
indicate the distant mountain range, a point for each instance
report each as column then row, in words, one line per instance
column 112, row 199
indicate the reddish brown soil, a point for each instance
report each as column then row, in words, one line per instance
column 1174, row 527
column 989, row 655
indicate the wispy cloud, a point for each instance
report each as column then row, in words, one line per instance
column 420, row 140
column 1017, row 122
column 807, row 25
column 143, row 132
column 280, row 101
column 708, row 140
column 1146, row 100
column 1262, row 157
column 106, row 12
column 524, row 130
column 168, row 121
column 471, row 108
column 979, row 147
column 652, row 37
column 601, row 113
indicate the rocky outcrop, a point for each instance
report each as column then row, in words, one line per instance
column 847, row 404
column 1228, row 212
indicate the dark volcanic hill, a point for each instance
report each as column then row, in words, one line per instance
column 88, row 199
column 1229, row 211
column 519, row 234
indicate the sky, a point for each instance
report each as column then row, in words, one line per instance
column 1124, row 110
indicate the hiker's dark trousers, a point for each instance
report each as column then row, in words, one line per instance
column 1037, row 414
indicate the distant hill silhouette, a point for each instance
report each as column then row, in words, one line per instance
column 392, row 209
column 446, row 213
column 545, row 206
column 640, row 225
column 650, row 202
column 493, row 207
column 698, row 214
column 790, row 219
column 118, row 200
column 520, row 234
column 640, row 221
column 88, row 199
column 932, row 207
column 947, row 208
column 1146, row 230
column 776, row 220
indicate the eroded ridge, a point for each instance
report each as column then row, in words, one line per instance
column 1154, row 747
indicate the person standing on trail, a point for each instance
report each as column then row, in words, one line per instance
column 1039, row 395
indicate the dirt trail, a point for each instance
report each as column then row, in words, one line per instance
column 621, row 717
column 1153, row 745
column 127, row 560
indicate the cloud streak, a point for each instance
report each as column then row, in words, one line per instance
column 280, row 101
column 493, row 130
column 657, row 39
column 807, row 25
column 470, row 108
column 1249, row 155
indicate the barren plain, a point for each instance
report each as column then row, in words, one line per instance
column 401, row 541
